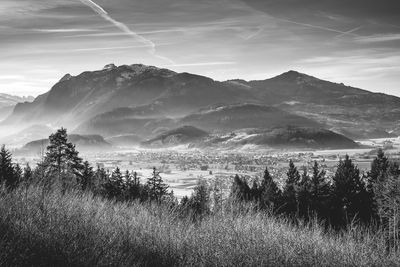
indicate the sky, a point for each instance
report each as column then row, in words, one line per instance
column 353, row 42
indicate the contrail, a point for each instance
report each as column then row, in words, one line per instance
column 319, row 27
column 104, row 14
column 349, row 31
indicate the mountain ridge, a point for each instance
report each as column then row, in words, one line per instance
column 113, row 93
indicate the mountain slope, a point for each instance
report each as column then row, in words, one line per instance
column 82, row 142
column 181, row 135
column 239, row 116
column 7, row 100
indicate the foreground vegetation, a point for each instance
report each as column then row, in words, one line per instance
column 77, row 229
column 64, row 213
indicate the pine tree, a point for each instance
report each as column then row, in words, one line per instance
column 289, row 190
column 62, row 159
column 86, row 179
column 303, row 195
column 133, row 188
column 350, row 197
column 200, row 199
column 7, row 175
column 319, row 191
column 240, row 189
column 269, row 193
column 157, row 189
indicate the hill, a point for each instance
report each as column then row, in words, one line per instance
column 181, row 135
column 233, row 117
column 82, row 142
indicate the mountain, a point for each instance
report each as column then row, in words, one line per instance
column 286, row 138
column 238, row 116
column 145, row 101
column 75, row 99
column 181, row 135
column 82, row 142
column 8, row 102
column 141, row 120
column 279, row 138
column 124, row 140
column 11, row 100
column 28, row 134
column 345, row 109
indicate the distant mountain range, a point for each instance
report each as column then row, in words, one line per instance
column 137, row 102
column 8, row 102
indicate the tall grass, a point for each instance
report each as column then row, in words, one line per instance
column 77, row 229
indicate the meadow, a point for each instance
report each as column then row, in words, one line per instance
column 41, row 227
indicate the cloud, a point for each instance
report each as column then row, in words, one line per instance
column 64, row 30
column 317, row 27
column 379, row 38
column 124, row 28
column 199, row 64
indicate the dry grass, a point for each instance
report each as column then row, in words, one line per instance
column 77, row 229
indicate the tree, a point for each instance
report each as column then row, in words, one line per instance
column 303, row 195
column 62, row 158
column 289, row 190
column 156, row 187
column 350, row 197
column 200, row 199
column 85, row 180
column 319, row 191
column 269, row 193
column 240, row 189
column 133, row 188
column 7, row 172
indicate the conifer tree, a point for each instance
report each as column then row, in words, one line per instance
column 319, row 191
column 350, row 198
column 289, row 190
column 7, row 174
column 269, row 193
column 62, row 159
column 240, row 188
column 133, row 188
column 157, row 189
column 200, row 199
column 86, row 179
column 303, row 195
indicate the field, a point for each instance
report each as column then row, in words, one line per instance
column 44, row 228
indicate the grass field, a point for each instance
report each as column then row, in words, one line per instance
column 77, row 229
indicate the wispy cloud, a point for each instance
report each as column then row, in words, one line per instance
column 317, row 27
column 379, row 38
column 124, row 28
column 64, row 30
column 199, row 64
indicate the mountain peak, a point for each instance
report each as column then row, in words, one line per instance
column 292, row 76
column 110, row 66
column 66, row 77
